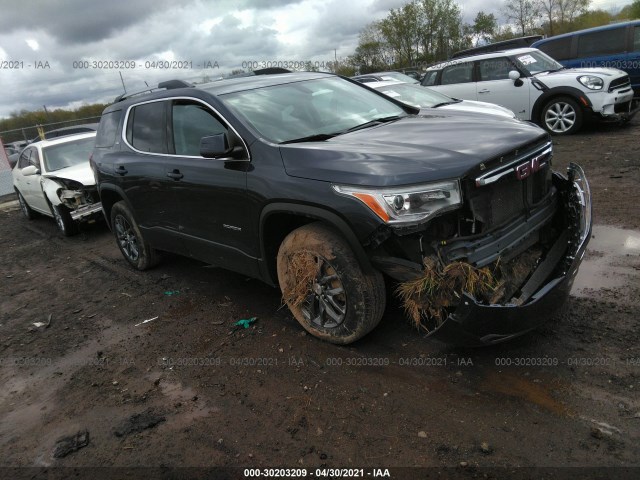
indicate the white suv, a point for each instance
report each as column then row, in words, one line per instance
column 536, row 87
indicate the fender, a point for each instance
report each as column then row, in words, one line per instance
column 112, row 189
column 572, row 92
column 316, row 213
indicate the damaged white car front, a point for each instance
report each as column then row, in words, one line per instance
column 54, row 178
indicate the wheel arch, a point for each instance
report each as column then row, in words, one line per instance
column 575, row 93
column 109, row 196
column 277, row 220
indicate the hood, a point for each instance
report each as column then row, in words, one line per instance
column 79, row 173
column 606, row 73
column 428, row 147
column 479, row 107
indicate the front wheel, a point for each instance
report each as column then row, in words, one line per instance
column 324, row 287
column 63, row 219
column 130, row 240
column 562, row 116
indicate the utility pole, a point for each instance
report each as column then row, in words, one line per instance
column 46, row 112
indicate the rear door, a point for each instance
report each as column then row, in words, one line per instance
column 143, row 175
column 495, row 86
column 457, row 81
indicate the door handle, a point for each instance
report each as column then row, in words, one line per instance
column 485, row 91
column 120, row 170
column 176, row 175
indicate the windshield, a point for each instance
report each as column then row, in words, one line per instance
column 401, row 77
column 68, row 154
column 537, row 62
column 414, row 95
column 326, row 106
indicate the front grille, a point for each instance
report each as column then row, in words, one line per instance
column 495, row 204
column 619, row 83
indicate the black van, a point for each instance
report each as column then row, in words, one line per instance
column 613, row 46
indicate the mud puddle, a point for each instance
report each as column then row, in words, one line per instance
column 612, row 261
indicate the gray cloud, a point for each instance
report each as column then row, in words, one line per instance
column 225, row 33
column 74, row 21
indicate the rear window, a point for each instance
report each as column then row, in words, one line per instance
column 108, row 129
column 559, row 49
column 462, row 73
column 604, row 42
column 146, row 128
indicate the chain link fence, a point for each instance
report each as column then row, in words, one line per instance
column 31, row 133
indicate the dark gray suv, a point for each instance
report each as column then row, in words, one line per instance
column 327, row 188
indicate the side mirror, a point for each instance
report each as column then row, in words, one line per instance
column 214, row 146
column 515, row 76
column 30, row 170
column 217, row 146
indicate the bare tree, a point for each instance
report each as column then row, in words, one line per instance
column 524, row 13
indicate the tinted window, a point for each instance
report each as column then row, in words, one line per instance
column 108, row 129
column 495, row 69
column 601, row 43
column 430, row 78
column 462, row 73
column 559, row 49
column 191, row 122
column 636, row 40
column 147, row 132
column 34, row 158
column 23, row 161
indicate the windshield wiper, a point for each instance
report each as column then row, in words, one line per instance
column 318, row 137
column 375, row 121
column 446, row 103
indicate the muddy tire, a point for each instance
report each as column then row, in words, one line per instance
column 331, row 297
column 562, row 116
column 130, row 241
column 63, row 219
column 25, row 208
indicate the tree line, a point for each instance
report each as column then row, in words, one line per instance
column 423, row 32
column 20, row 124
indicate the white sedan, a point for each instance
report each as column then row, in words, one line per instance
column 423, row 97
column 54, row 178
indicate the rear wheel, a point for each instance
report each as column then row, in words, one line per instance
column 63, row 219
column 325, row 288
column 130, row 240
column 26, row 209
column 562, row 116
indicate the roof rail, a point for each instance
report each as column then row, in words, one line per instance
column 168, row 85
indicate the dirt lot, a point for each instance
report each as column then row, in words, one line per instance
column 188, row 389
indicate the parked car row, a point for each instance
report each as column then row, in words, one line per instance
column 587, row 74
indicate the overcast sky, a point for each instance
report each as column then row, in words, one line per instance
column 43, row 45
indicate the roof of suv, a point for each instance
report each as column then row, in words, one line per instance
column 217, row 87
column 229, row 85
column 514, row 51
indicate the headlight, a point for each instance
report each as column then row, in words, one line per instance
column 407, row 205
column 592, row 83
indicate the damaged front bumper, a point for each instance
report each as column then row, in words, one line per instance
column 473, row 323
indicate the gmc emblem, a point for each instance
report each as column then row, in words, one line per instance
column 531, row 166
